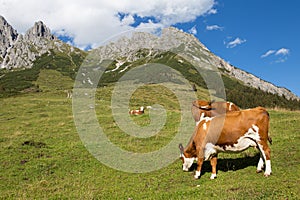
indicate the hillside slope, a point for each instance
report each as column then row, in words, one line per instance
column 23, row 56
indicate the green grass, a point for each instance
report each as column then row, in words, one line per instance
column 42, row 156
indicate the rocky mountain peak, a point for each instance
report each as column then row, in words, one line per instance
column 19, row 51
column 8, row 36
column 39, row 30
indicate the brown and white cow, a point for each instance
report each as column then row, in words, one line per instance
column 202, row 109
column 137, row 112
column 233, row 132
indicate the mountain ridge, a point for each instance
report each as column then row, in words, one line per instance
column 21, row 51
column 179, row 41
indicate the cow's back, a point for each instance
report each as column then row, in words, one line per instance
column 228, row 128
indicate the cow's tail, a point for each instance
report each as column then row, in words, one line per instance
column 269, row 137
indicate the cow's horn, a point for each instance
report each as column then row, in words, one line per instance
column 212, row 101
column 181, row 148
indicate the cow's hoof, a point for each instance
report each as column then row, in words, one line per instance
column 197, row 174
column 267, row 175
column 258, row 171
column 213, row 176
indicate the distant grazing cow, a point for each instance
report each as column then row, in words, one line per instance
column 202, row 109
column 233, row 132
column 137, row 112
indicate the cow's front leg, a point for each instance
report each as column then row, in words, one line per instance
column 198, row 170
column 213, row 163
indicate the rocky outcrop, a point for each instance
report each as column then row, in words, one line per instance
column 8, row 36
column 19, row 51
column 38, row 31
column 253, row 81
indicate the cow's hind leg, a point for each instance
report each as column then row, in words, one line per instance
column 266, row 156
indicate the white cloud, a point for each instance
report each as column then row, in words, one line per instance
column 214, row 27
column 282, row 51
column 212, row 11
column 193, row 30
column 280, row 55
column 270, row 52
column 235, row 42
column 127, row 20
column 91, row 22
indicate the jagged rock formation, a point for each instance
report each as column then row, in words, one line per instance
column 39, row 30
column 8, row 36
column 20, row 51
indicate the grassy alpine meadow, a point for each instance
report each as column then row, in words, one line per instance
column 42, row 156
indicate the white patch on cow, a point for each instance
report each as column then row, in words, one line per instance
column 260, row 164
column 204, row 126
column 204, row 107
column 213, row 176
column 230, row 105
column 202, row 117
column 208, row 119
column 209, row 151
column 249, row 139
column 268, row 170
column 187, row 163
column 197, row 174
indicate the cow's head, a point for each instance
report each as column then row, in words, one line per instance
column 186, row 162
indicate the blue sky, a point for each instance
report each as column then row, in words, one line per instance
column 258, row 36
column 268, row 43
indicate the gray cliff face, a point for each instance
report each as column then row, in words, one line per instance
column 19, row 51
column 8, row 36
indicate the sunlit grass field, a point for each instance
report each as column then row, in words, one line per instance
column 42, row 156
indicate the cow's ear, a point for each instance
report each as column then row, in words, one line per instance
column 196, row 112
